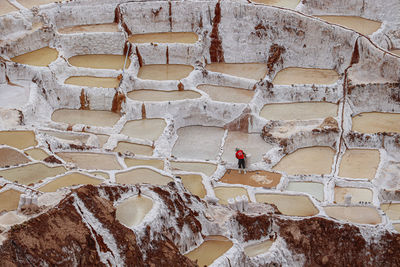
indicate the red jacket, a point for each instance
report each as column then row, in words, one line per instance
column 240, row 154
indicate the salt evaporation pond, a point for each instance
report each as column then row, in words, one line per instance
column 203, row 167
column 6, row 7
column 164, row 72
column 375, row 122
column 156, row 163
column 100, row 118
column 293, row 75
column 314, row 189
column 279, row 3
column 291, row 205
column 223, row 193
column 31, row 3
column 160, row 96
column 126, row 147
column 396, row 51
column 310, row 160
column 254, row 71
column 358, row 24
column 41, row 57
column 32, row 173
column 36, row 153
column 392, row 210
column 165, row 37
column 357, row 194
column 69, row 180
column 356, row 214
column 299, row 111
column 99, row 61
column 193, row 183
column 150, row 129
column 258, row 248
column 106, row 27
column 97, row 161
column 18, row 139
column 227, row 94
column 211, row 249
column 142, row 175
column 132, row 211
column 92, row 81
column 359, row 163
column 9, row 200
column 252, row 178
column 11, row 157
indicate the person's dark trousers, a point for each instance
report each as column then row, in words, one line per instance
column 241, row 164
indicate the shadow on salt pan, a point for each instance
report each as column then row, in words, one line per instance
column 165, row 37
column 160, row 96
column 132, row 211
column 41, row 57
column 161, row 72
column 254, row 71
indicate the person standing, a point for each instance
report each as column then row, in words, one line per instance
column 240, row 155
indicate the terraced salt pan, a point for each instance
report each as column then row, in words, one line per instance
column 255, row 71
column 156, row 163
column 294, row 75
column 101, row 118
column 357, row 194
column 99, row 61
column 92, row 81
column 91, row 161
column 204, row 141
column 106, row 27
column 165, row 37
column 223, row 193
column 142, row 175
column 363, row 215
column 252, row 178
column 258, row 249
column 392, row 210
column 32, row 173
column 359, row 163
column 227, row 94
column 11, row 157
column 37, row 153
column 164, row 72
column 299, row 111
column 102, row 139
column 310, row 160
column 149, row 129
column 279, row 3
column 69, row 180
column 206, row 168
column 159, row 96
column 9, row 200
column 290, row 205
column 314, row 189
column 126, row 147
column 396, row 51
column 396, row 226
column 6, row 7
column 252, row 144
column 31, row 3
column 358, row 24
column 374, row 122
column 211, row 249
column 18, row 139
column 132, row 211
column 41, row 57
column 14, row 94
column 193, row 183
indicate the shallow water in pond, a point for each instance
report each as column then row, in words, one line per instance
column 252, row 178
column 9, row 200
column 211, row 249
column 358, row 24
column 18, row 139
column 132, row 211
column 165, row 37
column 69, row 180
column 294, row 75
column 92, row 81
column 11, row 157
column 37, row 153
column 100, row 118
column 314, row 189
column 41, row 57
column 309, row 160
column 206, row 168
column 279, row 3
column 299, row 111
column 223, row 193
column 159, row 96
column 126, row 147
column 392, row 210
column 31, row 3
column 91, row 161
column 289, row 204
column 32, row 173
column 363, row 215
column 6, row 7
column 99, row 61
column 205, row 141
column 102, row 139
column 252, row 144
column 193, row 183
column 164, row 72
column 359, row 163
column 156, row 163
column 396, row 51
column 258, row 248
column 106, row 27
column 357, row 194
column 255, row 71
column 227, row 94
column 150, row 129
column 142, row 175
column 374, row 122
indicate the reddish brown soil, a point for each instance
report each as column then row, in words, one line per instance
column 216, row 50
